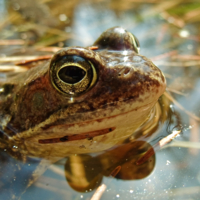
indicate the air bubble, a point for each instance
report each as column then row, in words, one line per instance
column 15, row 148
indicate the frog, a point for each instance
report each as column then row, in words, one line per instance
column 82, row 100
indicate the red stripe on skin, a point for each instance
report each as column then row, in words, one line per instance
column 81, row 136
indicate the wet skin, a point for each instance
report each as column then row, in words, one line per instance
column 83, row 100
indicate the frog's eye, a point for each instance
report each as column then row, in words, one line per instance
column 117, row 38
column 73, row 75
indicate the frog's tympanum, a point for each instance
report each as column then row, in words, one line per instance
column 83, row 100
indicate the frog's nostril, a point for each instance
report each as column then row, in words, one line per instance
column 124, row 71
column 71, row 74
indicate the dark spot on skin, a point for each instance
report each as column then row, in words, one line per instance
column 64, row 139
column 99, row 120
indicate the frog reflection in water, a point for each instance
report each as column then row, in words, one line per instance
column 83, row 100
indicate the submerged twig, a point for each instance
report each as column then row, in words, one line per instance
column 38, row 58
column 181, row 107
column 176, row 91
column 101, row 189
column 157, row 147
column 99, row 192
column 12, row 42
column 179, row 63
column 23, row 59
column 12, row 68
column 165, row 55
column 185, row 144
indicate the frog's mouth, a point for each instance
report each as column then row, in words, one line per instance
column 81, row 136
column 91, row 134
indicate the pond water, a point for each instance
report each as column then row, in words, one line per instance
column 168, row 32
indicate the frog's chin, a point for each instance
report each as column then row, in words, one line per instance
column 88, row 136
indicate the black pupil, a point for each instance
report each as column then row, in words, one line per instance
column 71, row 74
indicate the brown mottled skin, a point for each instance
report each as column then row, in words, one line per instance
column 124, row 78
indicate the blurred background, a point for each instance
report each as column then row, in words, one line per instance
column 168, row 32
